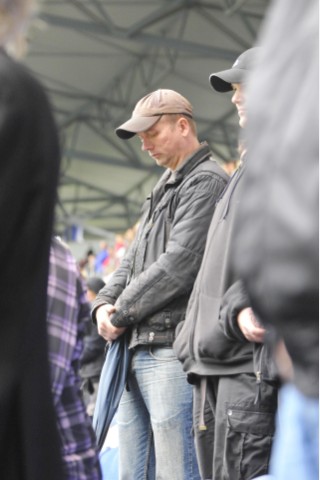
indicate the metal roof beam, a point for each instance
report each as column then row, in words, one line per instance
column 146, row 39
column 68, row 180
column 107, row 160
column 157, row 16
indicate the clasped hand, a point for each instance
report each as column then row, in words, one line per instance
column 105, row 328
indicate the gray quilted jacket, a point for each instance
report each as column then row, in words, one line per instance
column 151, row 288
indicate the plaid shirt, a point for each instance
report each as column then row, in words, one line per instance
column 67, row 312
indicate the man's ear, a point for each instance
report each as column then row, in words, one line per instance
column 184, row 126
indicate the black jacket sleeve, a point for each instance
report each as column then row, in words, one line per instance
column 234, row 300
column 115, row 285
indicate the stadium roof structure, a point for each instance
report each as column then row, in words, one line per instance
column 97, row 58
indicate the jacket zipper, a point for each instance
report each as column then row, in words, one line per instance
column 258, row 375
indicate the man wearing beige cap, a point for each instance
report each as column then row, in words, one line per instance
column 148, row 294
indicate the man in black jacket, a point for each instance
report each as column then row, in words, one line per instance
column 233, row 409
column 149, row 292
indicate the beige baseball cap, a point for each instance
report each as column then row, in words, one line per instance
column 148, row 110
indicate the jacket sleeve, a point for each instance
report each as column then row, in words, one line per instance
column 115, row 285
column 174, row 273
column 234, row 300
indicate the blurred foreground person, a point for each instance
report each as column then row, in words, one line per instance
column 278, row 259
column 29, row 152
column 68, row 311
column 149, row 292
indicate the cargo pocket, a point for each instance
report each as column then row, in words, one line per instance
column 249, row 438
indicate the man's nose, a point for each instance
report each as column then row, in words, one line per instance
column 146, row 145
column 235, row 97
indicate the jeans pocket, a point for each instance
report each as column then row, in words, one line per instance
column 162, row 354
column 248, row 440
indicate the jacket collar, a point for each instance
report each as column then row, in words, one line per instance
column 188, row 165
column 170, row 179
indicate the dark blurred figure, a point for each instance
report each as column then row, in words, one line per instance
column 87, row 263
column 94, row 351
column 68, row 310
column 30, row 156
column 279, row 257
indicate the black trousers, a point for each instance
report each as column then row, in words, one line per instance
column 234, row 427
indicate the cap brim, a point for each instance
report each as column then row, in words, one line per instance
column 134, row 125
column 222, row 81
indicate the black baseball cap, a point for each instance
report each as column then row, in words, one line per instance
column 222, row 81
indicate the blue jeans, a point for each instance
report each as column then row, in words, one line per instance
column 155, row 420
column 295, row 454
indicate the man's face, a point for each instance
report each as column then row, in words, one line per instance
column 162, row 142
column 238, row 99
column 91, row 295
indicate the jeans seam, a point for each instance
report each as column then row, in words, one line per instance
column 146, row 467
